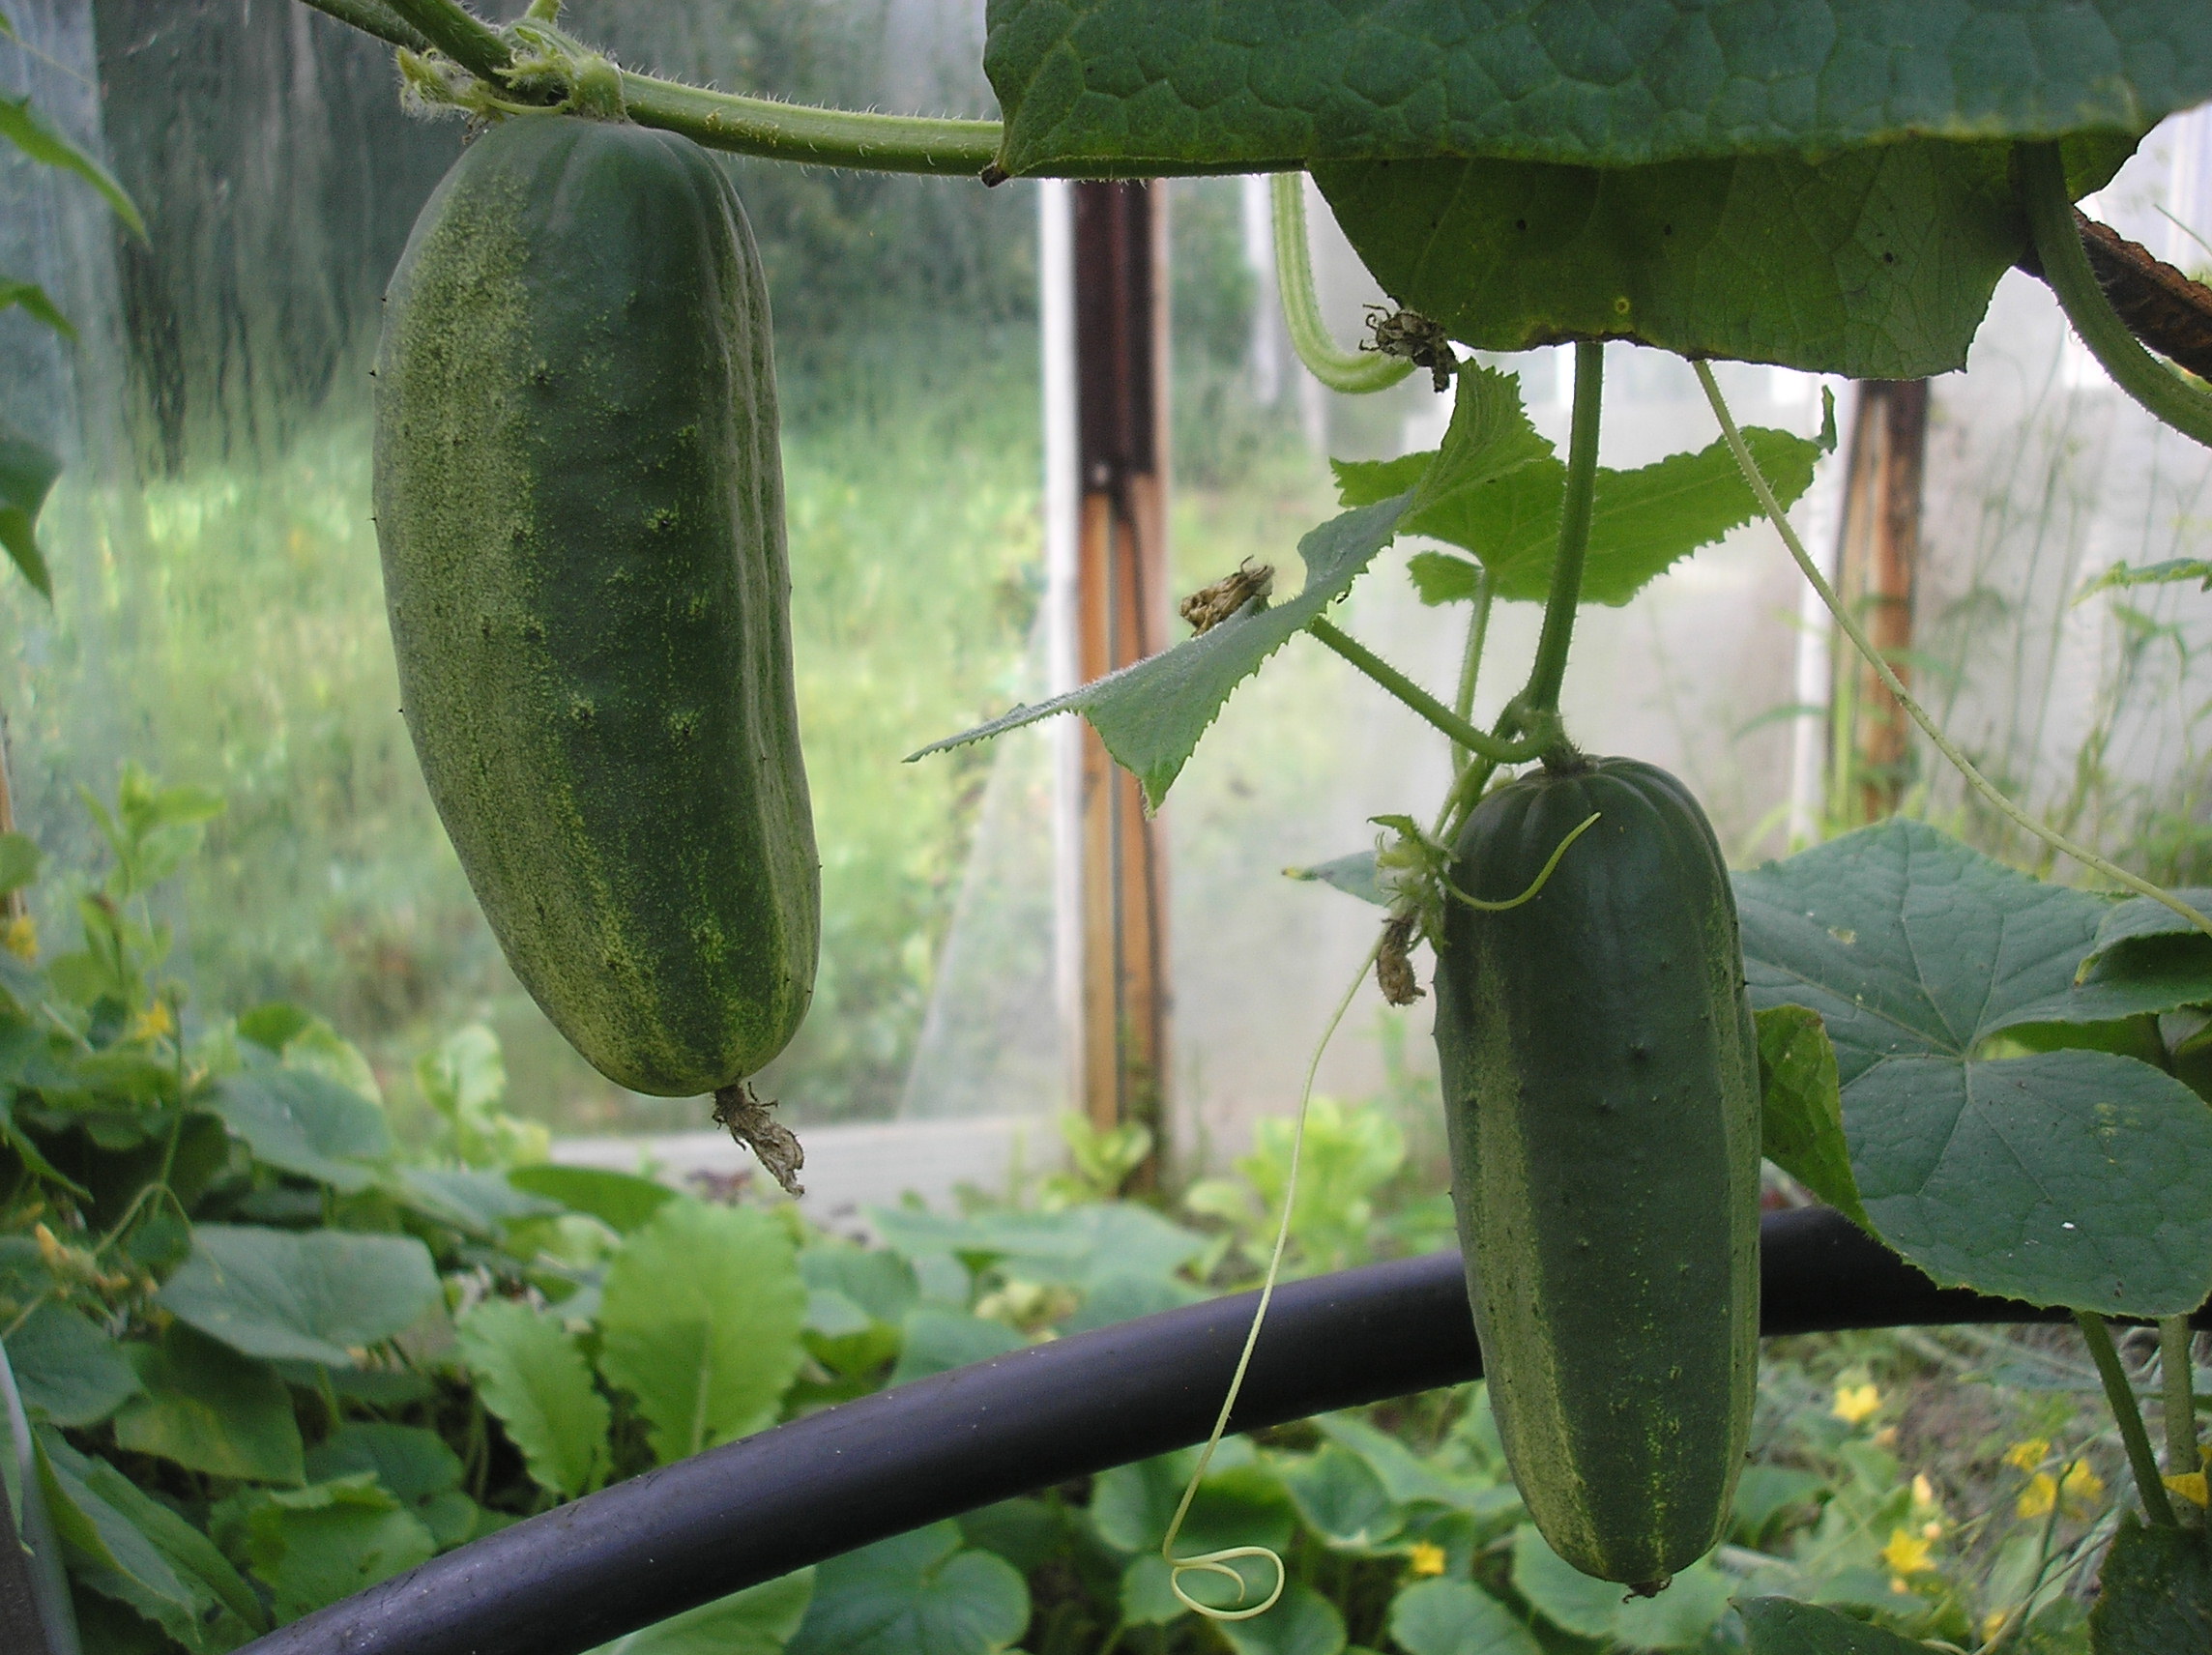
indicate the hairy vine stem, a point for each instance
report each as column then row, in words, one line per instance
column 717, row 120
column 2169, row 398
column 2121, row 1395
column 1550, row 668
column 1353, row 372
column 1872, row 656
column 1462, row 732
column 1471, row 662
column 2177, row 1396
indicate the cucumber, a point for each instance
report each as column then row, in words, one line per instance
column 1601, row 1093
column 579, row 503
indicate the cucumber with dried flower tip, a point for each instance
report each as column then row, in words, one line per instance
column 579, row 501
column 1601, row 1091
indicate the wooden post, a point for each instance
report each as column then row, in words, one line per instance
column 1875, row 578
column 1123, row 607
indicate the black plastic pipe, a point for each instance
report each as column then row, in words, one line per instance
column 734, row 1516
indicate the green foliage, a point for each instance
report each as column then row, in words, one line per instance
column 27, row 471
column 758, row 1620
column 1778, row 1626
column 2053, row 1175
column 315, row 1297
column 529, row 1371
column 1801, row 1128
column 2157, row 1592
column 1148, row 91
column 917, row 1594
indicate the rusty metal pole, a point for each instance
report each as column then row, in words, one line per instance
column 1122, row 616
column 1878, row 569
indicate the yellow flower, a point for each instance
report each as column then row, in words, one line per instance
column 1992, row 1622
column 2081, row 1488
column 2191, row 1486
column 1428, row 1558
column 21, row 936
column 1854, row 1404
column 1923, row 1491
column 2029, row 1453
column 1907, row 1554
column 2038, row 1497
column 152, row 1022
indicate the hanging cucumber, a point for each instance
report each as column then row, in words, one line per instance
column 579, row 499
column 1601, row 1091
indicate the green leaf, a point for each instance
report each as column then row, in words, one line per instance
column 411, row 1463
column 916, row 1594
column 1489, row 438
column 1679, row 1618
column 2060, row 1178
column 1240, row 1503
column 27, row 472
column 700, row 1322
column 480, row 1204
column 1075, row 1247
column 316, row 1545
column 758, row 1620
column 2132, row 938
column 1355, row 875
column 1767, row 1493
column 1302, row 1622
column 621, row 1201
column 298, row 1121
column 1150, row 715
column 1117, row 1298
column 207, row 1408
column 1370, row 482
column 1780, row 1626
column 1868, row 262
column 24, row 128
column 1801, row 1108
column 37, row 303
column 938, row 1341
column 880, row 1282
column 1342, row 1499
column 19, row 858
column 1452, row 1617
column 68, row 1370
column 2170, row 572
column 530, row 1375
column 127, row 1546
column 2155, row 1592
column 316, row 1296
column 1642, row 521
column 1130, row 88
column 1404, row 1476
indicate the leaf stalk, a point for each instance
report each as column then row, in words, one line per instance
column 1550, row 668
column 2121, row 1394
column 2167, row 397
column 1462, row 732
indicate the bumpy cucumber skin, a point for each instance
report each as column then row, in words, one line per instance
column 1601, row 1092
column 579, row 501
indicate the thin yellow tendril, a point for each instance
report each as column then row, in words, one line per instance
column 1217, row 1562
column 1872, row 656
column 1535, row 885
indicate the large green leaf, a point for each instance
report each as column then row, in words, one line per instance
column 412, row 1463
column 1150, row 715
column 530, row 1373
column 2060, row 1178
column 1782, row 1626
column 1136, row 88
column 27, row 130
column 480, row 1204
column 68, row 1370
column 1078, row 1246
column 2154, row 1594
column 316, row 1545
column 1241, row 1502
column 938, row 1341
column 1508, row 514
column 758, row 1620
column 700, row 1322
column 1872, row 262
column 916, row 1594
column 1801, row 1127
column 1302, row 1622
column 1342, row 1499
column 621, row 1201
column 1452, row 1617
column 207, row 1408
column 317, row 1296
column 298, row 1121
column 1679, row 1618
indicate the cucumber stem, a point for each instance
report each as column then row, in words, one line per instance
column 1550, row 669
column 717, row 120
column 1353, row 372
column 1462, row 732
column 2176, row 1393
column 2169, row 398
column 1470, row 663
column 2121, row 1394
column 1872, row 656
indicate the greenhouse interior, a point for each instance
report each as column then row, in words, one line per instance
column 902, row 827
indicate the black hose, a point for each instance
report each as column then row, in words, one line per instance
column 734, row 1516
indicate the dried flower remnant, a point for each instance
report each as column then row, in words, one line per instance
column 1210, row 606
